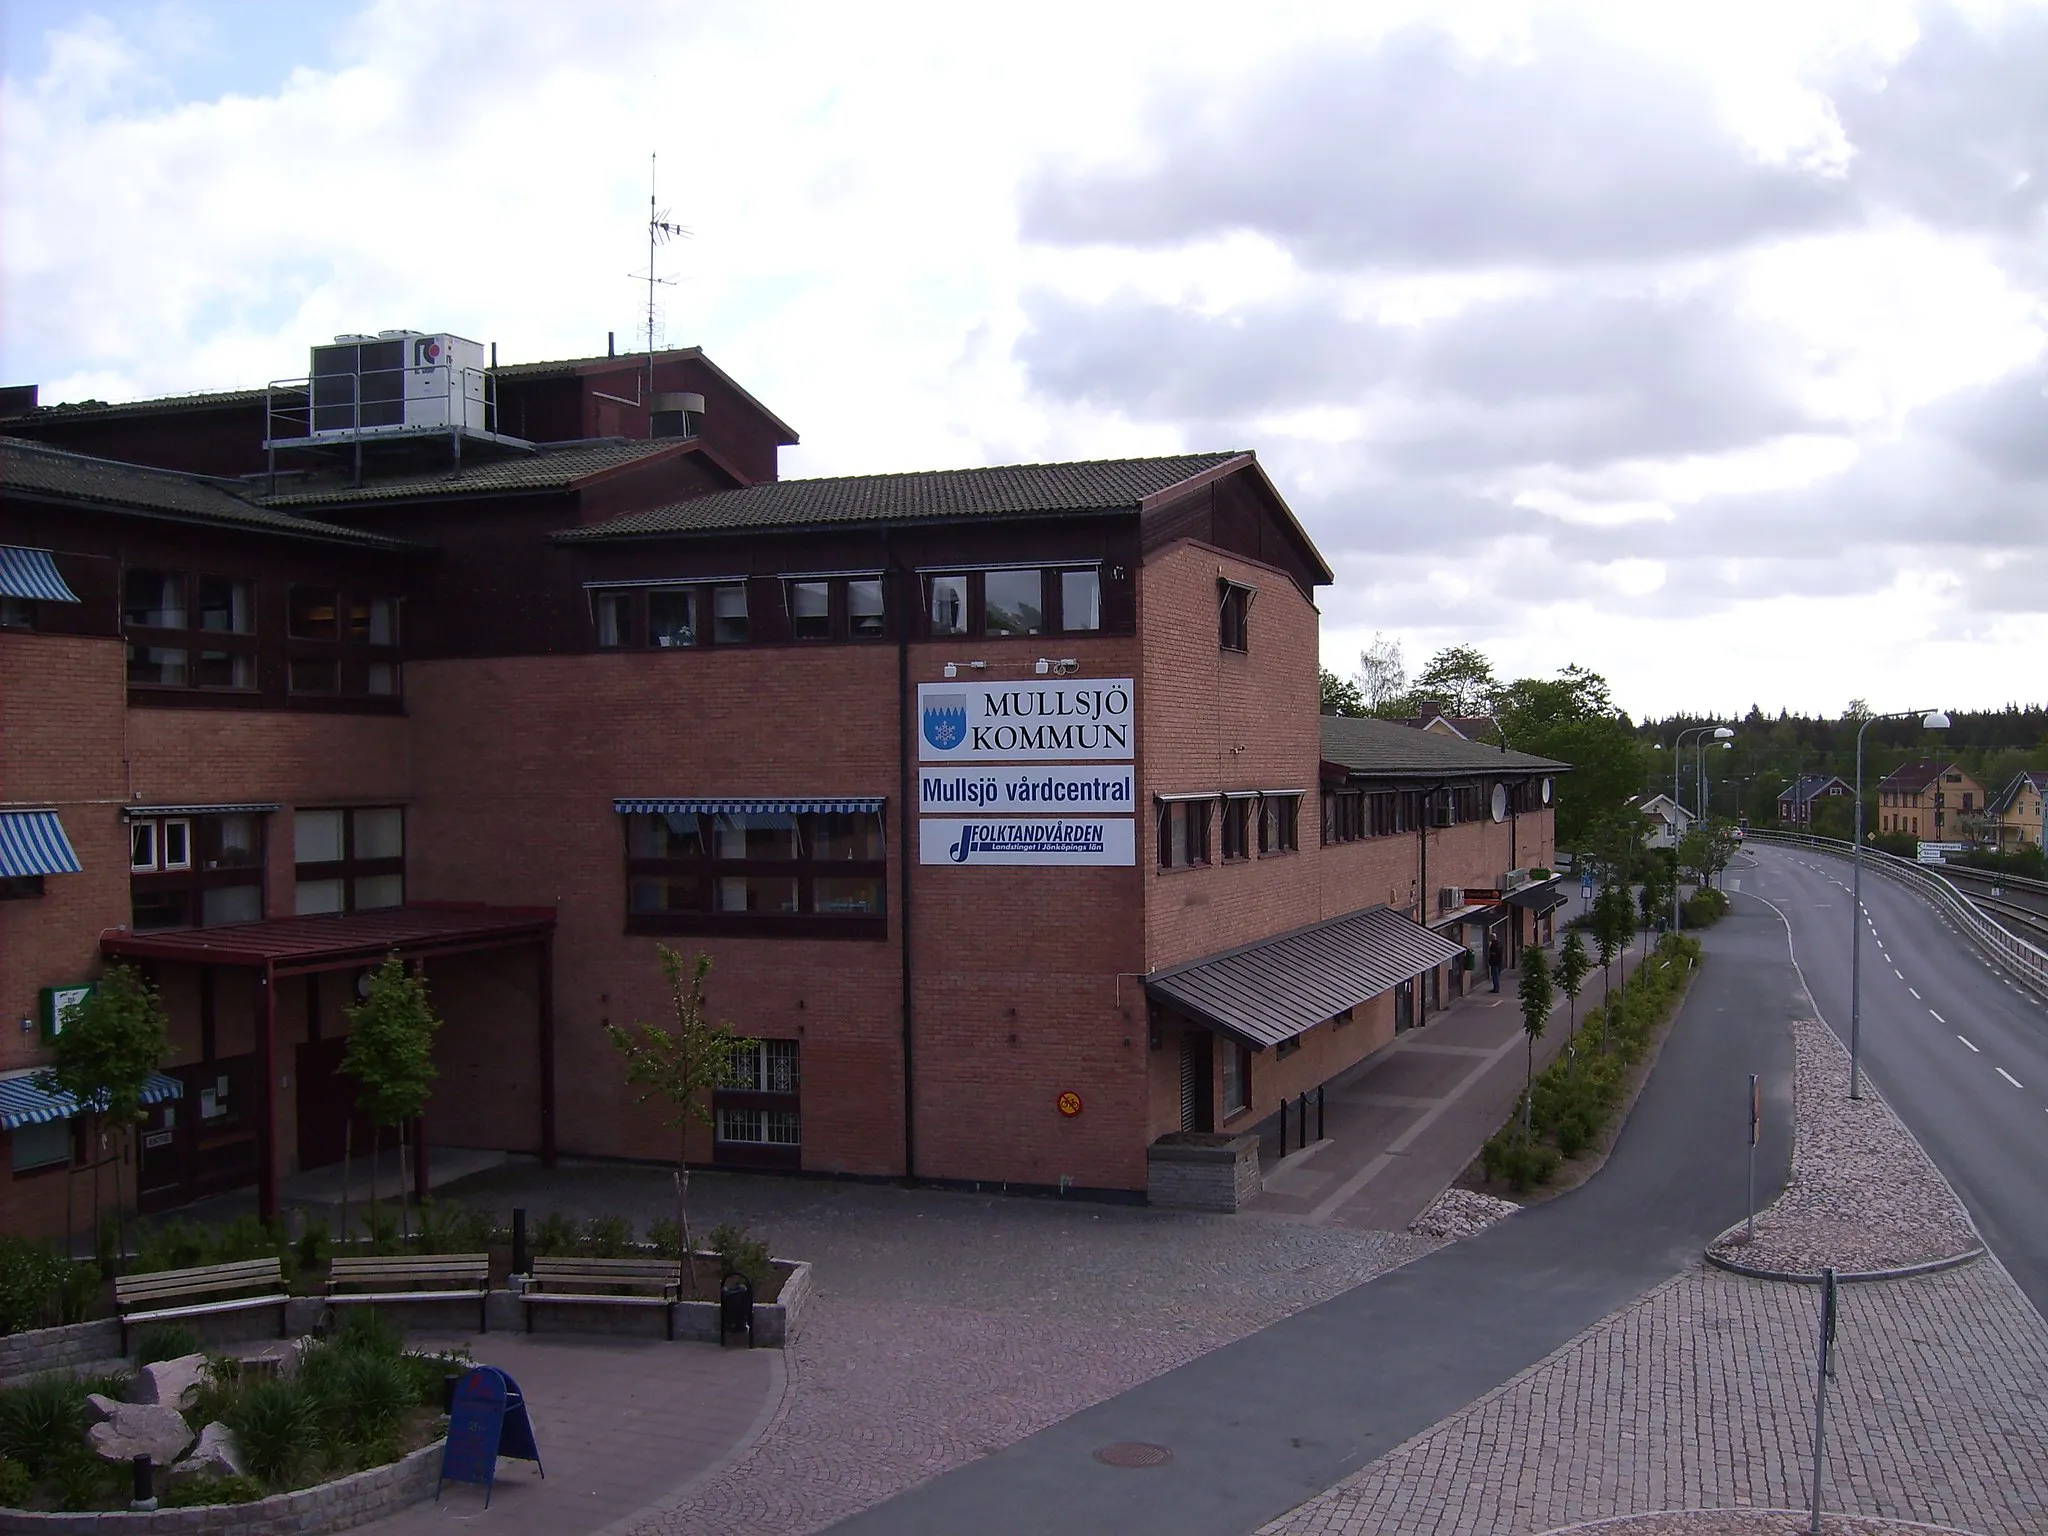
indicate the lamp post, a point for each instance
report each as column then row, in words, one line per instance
column 1718, row 733
column 1933, row 720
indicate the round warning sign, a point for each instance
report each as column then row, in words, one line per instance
column 1070, row 1103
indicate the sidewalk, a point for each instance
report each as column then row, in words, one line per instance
column 1405, row 1122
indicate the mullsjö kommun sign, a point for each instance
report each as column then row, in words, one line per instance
column 1037, row 721
column 1028, row 790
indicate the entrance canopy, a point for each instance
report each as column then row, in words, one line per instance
column 1268, row 992
column 1539, row 899
column 286, row 946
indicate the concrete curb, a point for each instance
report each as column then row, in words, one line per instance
column 1797, row 1277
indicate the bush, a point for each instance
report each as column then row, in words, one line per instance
column 42, row 1421
column 608, row 1237
column 276, row 1427
column 741, row 1254
column 81, row 1479
column 362, row 1331
column 554, row 1235
column 665, row 1237
column 165, row 1341
column 15, row 1484
column 1521, row 1163
column 1704, row 908
column 315, row 1246
column 33, row 1280
column 449, row 1228
column 195, row 1492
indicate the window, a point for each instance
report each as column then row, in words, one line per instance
column 810, row 610
column 835, row 607
column 614, row 611
column 1233, row 610
column 729, row 614
column 348, row 859
column 1237, row 1078
column 189, row 631
column 864, row 616
column 196, row 871
column 1080, row 600
column 1279, row 824
column 672, row 617
column 1014, row 602
column 47, row 1145
column 1237, row 814
column 756, row 1111
column 16, row 613
column 343, row 643
column 1183, row 833
column 820, row 874
column 949, row 605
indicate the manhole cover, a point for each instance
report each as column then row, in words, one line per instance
column 1133, row 1453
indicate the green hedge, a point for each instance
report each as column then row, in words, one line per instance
column 1575, row 1098
column 1705, row 907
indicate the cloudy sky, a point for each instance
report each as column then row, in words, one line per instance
column 1702, row 346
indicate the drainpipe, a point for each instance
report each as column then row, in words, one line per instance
column 906, row 721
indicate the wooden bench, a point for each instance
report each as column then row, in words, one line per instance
column 142, row 1298
column 414, row 1277
column 606, row 1283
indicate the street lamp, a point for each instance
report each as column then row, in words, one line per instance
column 1717, row 733
column 1933, row 720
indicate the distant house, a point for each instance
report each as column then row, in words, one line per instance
column 2012, row 820
column 1465, row 727
column 1929, row 799
column 1668, row 820
column 1795, row 802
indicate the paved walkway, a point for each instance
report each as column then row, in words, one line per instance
column 625, row 1428
column 1262, row 1424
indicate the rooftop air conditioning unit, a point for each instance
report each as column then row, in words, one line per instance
column 398, row 381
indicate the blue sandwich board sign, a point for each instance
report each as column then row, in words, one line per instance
column 487, row 1420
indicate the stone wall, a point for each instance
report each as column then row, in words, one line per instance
column 52, row 1349
column 1202, row 1171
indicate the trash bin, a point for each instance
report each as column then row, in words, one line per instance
column 736, row 1309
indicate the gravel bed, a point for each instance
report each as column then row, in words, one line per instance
column 1750, row 1522
column 1863, row 1196
column 1459, row 1213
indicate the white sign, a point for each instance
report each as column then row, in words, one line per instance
column 1009, row 789
column 1049, row 840
column 1044, row 720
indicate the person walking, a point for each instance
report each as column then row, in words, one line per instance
column 1493, row 961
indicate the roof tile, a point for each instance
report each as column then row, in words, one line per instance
column 549, row 467
column 1369, row 746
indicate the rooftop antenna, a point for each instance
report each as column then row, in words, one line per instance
column 660, row 230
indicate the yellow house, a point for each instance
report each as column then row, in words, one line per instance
column 1929, row 800
column 2014, row 821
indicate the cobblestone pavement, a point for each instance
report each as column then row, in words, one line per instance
column 946, row 1326
column 1751, row 1522
column 1700, row 1395
column 1863, row 1195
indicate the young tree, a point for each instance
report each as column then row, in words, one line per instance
column 679, row 1063
column 110, row 1043
column 1536, row 998
column 1382, row 676
column 391, row 1056
column 1572, row 966
column 1613, row 921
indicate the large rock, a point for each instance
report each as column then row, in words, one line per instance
column 216, row 1455
column 99, row 1409
column 141, row 1429
column 169, row 1383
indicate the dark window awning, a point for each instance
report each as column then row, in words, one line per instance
column 684, row 807
column 23, row 1103
column 1538, row 898
column 31, row 573
column 1271, row 991
column 221, row 808
column 330, row 942
column 33, row 843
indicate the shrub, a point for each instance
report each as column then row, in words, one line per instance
column 219, row 1389
column 41, row 1421
column 1705, row 907
column 739, row 1253
column 472, row 1231
column 165, row 1341
column 315, row 1246
column 32, row 1281
column 194, row 1492
column 608, row 1237
column 1521, row 1163
column 381, row 1227
column 372, row 1394
column 362, row 1331
column 15, row 1484
column 80, row 1479
column 276, row 1427
column 555, row 1234
column 449, row 1228
column 665, row 1237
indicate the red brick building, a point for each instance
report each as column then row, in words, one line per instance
column 999, row 797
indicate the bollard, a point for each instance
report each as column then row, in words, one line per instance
column 736, row 1309
column 519, row 1240
column 144, row 1490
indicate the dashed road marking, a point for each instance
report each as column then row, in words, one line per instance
column 1916, row 995
column 2008, row 1077
column 1937, row 1017
column 1896, row 971
column 1966, row 1041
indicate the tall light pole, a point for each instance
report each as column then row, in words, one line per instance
column 1718, row 733
column 1933, row 720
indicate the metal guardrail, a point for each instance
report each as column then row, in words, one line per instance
column 2027, row 961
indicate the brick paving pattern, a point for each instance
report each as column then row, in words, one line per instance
column 1700, row 1395
column 1863, row 1194
column 1751, row 1522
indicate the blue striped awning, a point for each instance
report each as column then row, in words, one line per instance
column 33, row 843
column 23, row 1103
column 743, row 807
column 32, row 573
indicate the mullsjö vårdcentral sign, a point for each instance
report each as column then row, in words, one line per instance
column 1050, row 721
column 1021, row 789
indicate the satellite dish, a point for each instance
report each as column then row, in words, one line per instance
column 1546, row 791
column 1500, row 802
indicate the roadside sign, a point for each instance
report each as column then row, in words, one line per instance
column 487, row 1420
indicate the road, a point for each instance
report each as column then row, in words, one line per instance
column 1959, row 1051
column 1259, row 1425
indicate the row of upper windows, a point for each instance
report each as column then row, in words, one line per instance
column 821, row 873
column 1269, row 822
column 1004, row 601
column 194, row 630
column 1352, row 815
column 203, row 871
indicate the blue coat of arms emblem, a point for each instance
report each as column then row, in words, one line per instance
column 945, row 720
